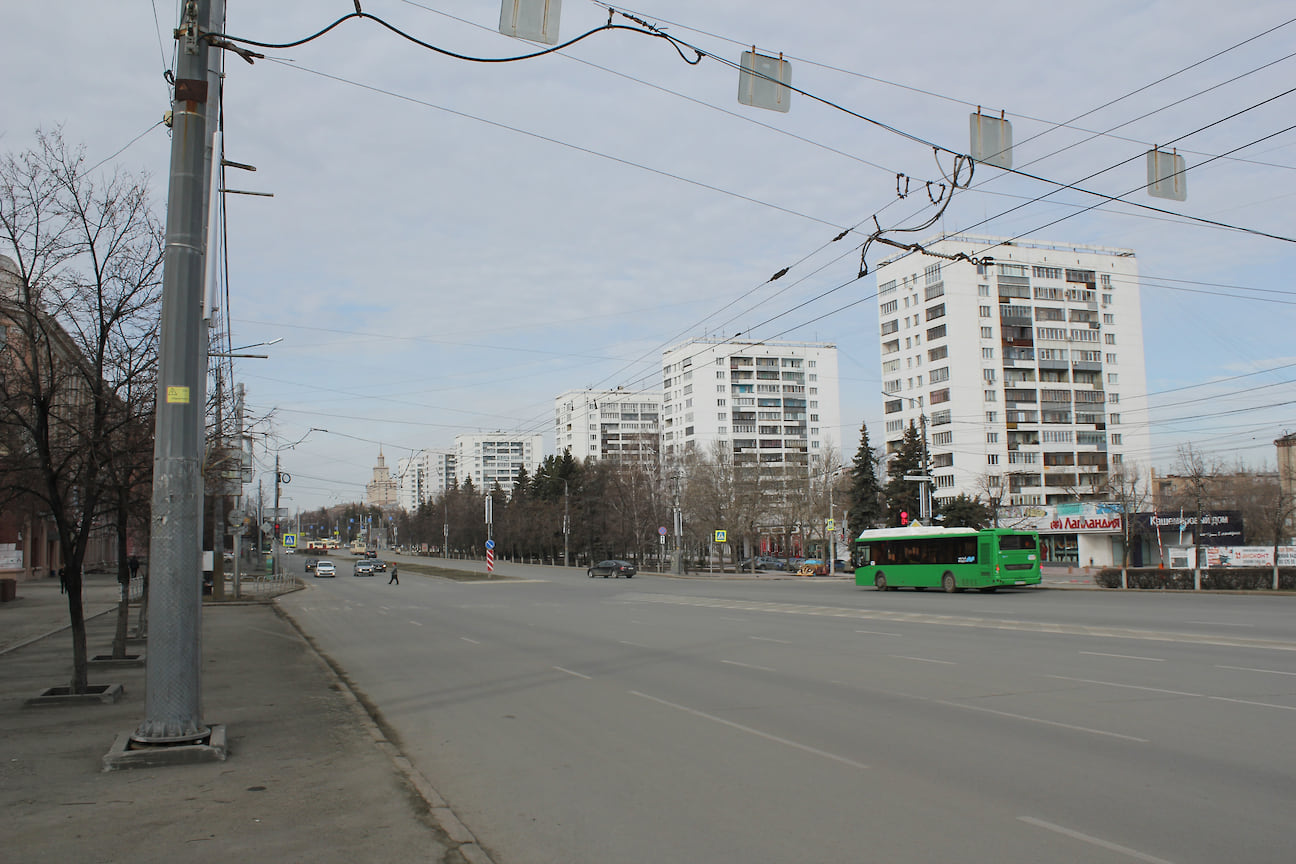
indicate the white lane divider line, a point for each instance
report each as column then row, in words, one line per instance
column 923, row 659
column 768, row 639
column 805, row 748
column 1250, row 669
column 1056, row 723
column 1096, row 841
column 749, row 666
column 570, row 672
column 1124, row 656
column 472, row 641
column 1178, row 693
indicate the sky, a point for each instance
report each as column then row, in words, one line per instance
column 452, row 244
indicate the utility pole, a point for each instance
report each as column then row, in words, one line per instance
column 566, row 524
column 677, row 566
column 173, row 701
column 238, row 531
column 218, row 502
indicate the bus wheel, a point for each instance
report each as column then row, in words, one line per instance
column 948, row 583
column 879, row 581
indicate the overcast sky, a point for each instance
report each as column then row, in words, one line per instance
column 452, row 244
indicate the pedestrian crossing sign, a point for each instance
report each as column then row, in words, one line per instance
column 721, row 536
column 290, row 541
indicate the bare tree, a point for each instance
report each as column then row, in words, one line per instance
column 1200, row 479
column 81, row 299
column 1127, row 488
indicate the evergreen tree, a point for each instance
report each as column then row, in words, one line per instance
column 965, row 512
column 905, row 495
column 865, row 509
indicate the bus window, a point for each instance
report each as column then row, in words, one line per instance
column 1017, row 541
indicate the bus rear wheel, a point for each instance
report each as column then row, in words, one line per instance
column 879, row 582
column 949, row 584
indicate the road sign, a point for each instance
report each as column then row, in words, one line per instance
column 830, row 524
column 267, row 528
column 662, row 530
column 490, row 544
column 290, row 541
column 721, row 535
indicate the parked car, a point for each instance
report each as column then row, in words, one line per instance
column 310, row 564
column 813, row 567
column 764, row 562
column 363, row 567
column 325, row 568
column 612, row 567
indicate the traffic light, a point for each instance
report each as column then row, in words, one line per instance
column 904, row 518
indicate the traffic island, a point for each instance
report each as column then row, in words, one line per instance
column 127, row 753
column 104, row 694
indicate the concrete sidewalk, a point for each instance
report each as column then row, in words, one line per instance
column 309, row 776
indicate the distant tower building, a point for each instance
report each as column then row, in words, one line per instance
column 496, row 458
column 1026, row 370
column 381, row 491
column 616, row 425
column 422, row 477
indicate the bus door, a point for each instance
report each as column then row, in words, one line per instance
column 987, row 555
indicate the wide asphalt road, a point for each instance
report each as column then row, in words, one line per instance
column 568, row 719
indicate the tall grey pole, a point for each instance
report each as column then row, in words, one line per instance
column 173, row 692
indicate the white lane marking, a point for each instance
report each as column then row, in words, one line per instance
column 768, row 639
column 570, row 672
column 1178, row 693
column 749, row 666
column 416, row 623
column 1220, row 623
column 923, row 659
column 1249, row 669
column 632, row 644
column 473, row 641
column 877, row 633
column 1123, row 656
column 1040, row 720
column 750, row 731
column 1096, row 841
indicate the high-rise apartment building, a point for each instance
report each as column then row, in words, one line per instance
column 1027, row 372
column 617, row 425
column 769, row 403
column 496, row 458
column 423, row 476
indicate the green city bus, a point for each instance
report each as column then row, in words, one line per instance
column 952, row 559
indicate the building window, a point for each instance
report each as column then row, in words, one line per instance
column 992, row 458
column 1113, row 398
column 988, row 375
column 983, row 290
column 935, row 332
column 1113, row 419
column 983, row 311
column 1106, row 299
column 937, row 311
column 987, row 353
column 1116, row 439
column 992, row 437
column 987, row 333
column 991, row 396
column 1113, row 378
column 1109, row 338
column 1109, row 318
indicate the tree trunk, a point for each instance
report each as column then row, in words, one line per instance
column 123, row 579
column 76, row 613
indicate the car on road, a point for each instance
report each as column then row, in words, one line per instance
column 612, row 567
column 371, row 553
column 363, row 567
column 379, row 565
column 310, row 563
column 764, row 562
column 324, row 568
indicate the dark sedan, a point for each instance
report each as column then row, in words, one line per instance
column 612, row 568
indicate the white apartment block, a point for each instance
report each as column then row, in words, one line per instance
column 496, row 458
column 771, row 403
column 617, row 425
column 423, row 476
column 1028, row 370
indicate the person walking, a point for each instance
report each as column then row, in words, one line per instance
column 133, row 563
column 394, row 577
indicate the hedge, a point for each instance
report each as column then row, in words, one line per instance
column 1219, row 579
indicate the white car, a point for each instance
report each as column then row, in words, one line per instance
column 325, row 568
column 363, row 567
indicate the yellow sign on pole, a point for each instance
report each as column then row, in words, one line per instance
column 177, row 395
column 721, row 536
column 830, row 524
